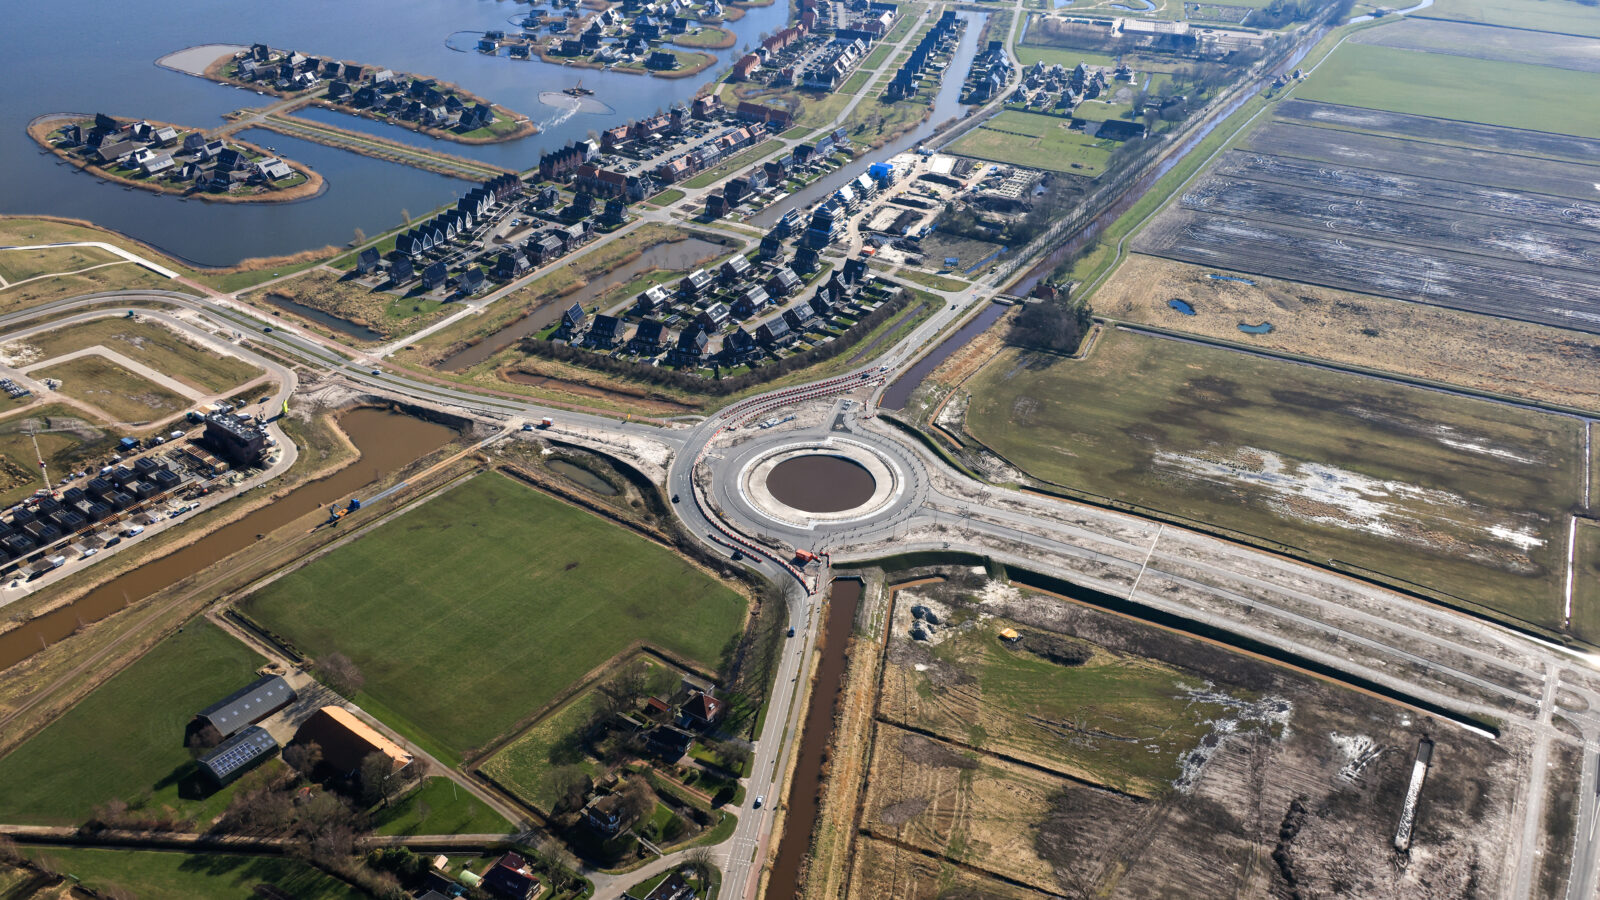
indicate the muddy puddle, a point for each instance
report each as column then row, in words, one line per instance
column 582, row 477
column 801, row 815
column 821, row 483
column 678, row 256
column 386, row 442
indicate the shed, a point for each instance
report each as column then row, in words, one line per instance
column 233, row 756
column 248, row 705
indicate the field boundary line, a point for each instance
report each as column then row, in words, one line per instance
column 1008, row 759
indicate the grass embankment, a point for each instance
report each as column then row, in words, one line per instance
column 124, row 396
column 439, row 806
column 1038, row 141
column 155, row 345
column 27, row 230
column 1452, row 495
column 500, row 597
column 1514, row 95
column 61, row 773
column 195, row 876
column 1448, row 346
column 390, row 315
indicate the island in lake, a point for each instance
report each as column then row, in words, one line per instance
column 169, row 159
column 427, row 105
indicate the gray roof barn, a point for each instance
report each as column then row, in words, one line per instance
column 248, row 705
column 238, row 753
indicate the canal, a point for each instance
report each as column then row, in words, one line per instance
column 800, row 814
column 386, row 441
column 896, row 395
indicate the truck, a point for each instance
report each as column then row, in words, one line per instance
column 546, row 422
column 56, row 562
column 134, row 531
column 804, row 556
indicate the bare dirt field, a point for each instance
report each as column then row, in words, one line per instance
column 1304, row 805
column 1431, row 240
column 1512, row 141
column 1445, row 345
column 1562, row 51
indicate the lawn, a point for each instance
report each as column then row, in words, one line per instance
column 57, row 776
column 747, row 158
column 1560, row 16
column 124, row 396
column 474, row 610
column 1459, row 496
column 440, row 806
column 155, row 345
column 1513, row 95
column 17, row 265
column 1041, row 142
column 197, row 876
column 820, row 112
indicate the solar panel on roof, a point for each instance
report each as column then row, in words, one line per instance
column 238, row 752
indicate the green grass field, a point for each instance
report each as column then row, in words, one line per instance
column 1514, row 95
column 747, row 158
column 57, row 776
column 1561, row 16
column 1461, row 496
column 18, row 265
column 124, row 396
column 474, row 610
column 440, row 806
column 196, row 876
column 1041, row 142
column 1138, row 701
column 1586, row 584
column 156, row 346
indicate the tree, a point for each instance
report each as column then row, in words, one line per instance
column 571, row 786
column 303, row 758
column 377, row 779
column 1052, row 325
column 361, row 237
column 339, row 672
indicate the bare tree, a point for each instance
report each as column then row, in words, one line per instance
column 303, row 758
column 339, row 672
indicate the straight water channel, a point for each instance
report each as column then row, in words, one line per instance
column 385, row 440
column 800, row 817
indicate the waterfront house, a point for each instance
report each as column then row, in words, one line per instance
column 367, row 261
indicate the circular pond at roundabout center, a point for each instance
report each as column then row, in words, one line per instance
column 820, row 483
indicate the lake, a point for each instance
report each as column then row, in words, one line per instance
column 113, row 70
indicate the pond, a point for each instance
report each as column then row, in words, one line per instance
column 343, row 326
column 1181, row 306
column 583, row 478
column 1263, row 328
column 821, row 483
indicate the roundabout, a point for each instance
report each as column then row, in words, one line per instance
column 832, row 481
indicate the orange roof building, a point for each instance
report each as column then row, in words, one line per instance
column 346, row 740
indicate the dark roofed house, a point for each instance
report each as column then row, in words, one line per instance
column 367, row 260
column 472, row 281
column 750, row 300
column 511, row 877
column 773, row 331
column 668, row 742
column 234, row 756
column 783, row 282
column 691, row 346
column 510, row 265
column 400, row 271
column 434, row 276
column 572, row 318
column 248, row 705
column 695, row 284
column 738, row 345
column 646, row 338
column 715, row 316
column 799, row 317
column 606, row 332
column 735, row 268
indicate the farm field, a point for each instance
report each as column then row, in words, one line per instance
column 1324, row 205
column 1486, row 42
column 1084, row 720
column 1559, row 16
column 1516, row 142
column 1483, row 353
column 1514, row 95
column 197, row 876
column 60, row 774
column 159, row 347
column 553, row 593
column 1586, row 583
column 938, row 813
column 1041, row 142
column 121, row 394
column 1458, row 496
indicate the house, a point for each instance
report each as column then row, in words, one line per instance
column 544, row 248
column 247, row 706
column 646, row 339
column 367, row 261
column 510, row 265
column 400, row 271
column 661, row 60
column 783, row 282
column 668, row 743
column 750, row 301
column 234, row 756
column 346, row 740
column 572, row 319
column 472, row 281
column 654, row 298
column 274, row 169
column 229, row 159
column 157, row 164
column 605, row 332
column 511, row 877
column 738, row 346
column 117, row 151
column 616, row 212
column 773, row 331
column 806, row 260
column 735, row 269
column 434, row 276
column 339, row 91
column 714, row 317
column 799, row 318
column 604, row 815
column 691, row 346
column 694, row 285
column 164, row 135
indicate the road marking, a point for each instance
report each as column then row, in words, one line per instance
column 1146, row 564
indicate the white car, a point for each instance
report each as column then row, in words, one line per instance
column 90, row 552
column 760, row 799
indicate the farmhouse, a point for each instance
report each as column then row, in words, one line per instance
column 511, row 877
column 346, row 740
